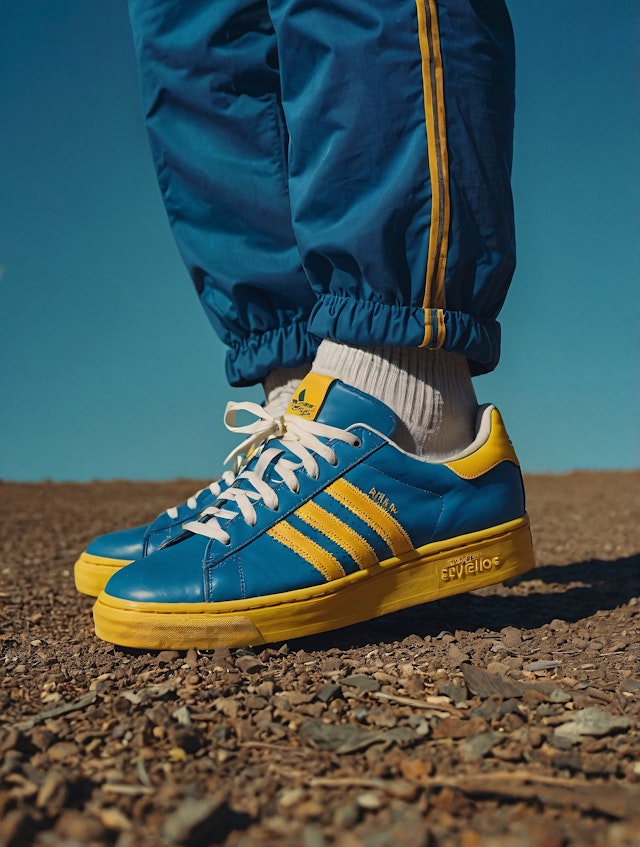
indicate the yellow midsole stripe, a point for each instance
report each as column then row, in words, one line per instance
column 436, row 127
column 322, row 561
column 421, row 556
column 340, row 533
column 372, row 514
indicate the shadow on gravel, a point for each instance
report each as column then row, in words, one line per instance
column 563, row 592
column 567, row 592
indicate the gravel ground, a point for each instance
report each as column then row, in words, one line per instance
column 506, row 717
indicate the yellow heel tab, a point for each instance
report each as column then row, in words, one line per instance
column 496, row 448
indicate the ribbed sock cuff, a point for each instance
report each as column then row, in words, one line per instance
column 429, row 390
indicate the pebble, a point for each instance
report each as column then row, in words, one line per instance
column 249, row 664
column 326, row 693
column 369, row 800
column 592, row 721
column 189, row 822
column 165, row 657
column 63, row 750
column 559, row 696
column 290, row 797
column 362, row 683
column 114, row 819
column 511, row 637
column 312, row 836
column 484, row 684
column 456, row 656
column 542, row 665
column 345, row 817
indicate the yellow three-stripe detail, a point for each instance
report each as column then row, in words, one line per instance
column 372, row 514
column 307, row 549
column 435, row 116
column 340, row 533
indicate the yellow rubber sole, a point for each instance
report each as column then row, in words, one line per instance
column 420, row 576
column 91, row 573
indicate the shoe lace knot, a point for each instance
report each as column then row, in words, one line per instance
column 266, row 426
column 306, row 440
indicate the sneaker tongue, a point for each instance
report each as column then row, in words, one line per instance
column 327, row 400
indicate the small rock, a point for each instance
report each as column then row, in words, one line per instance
column 182, row 716
column 312, row 836
column 114, row 819
column 223, row 732
column 249, row 664
column 291, row 797
column 326, row 693
column 484, row 684
column 499, row 668
column 344, row 738
column 455, row 691
column 266, row 688
column 164, row 657
column 369, row 800
column 194, row 819
column 456, row 656
column 345, row 817
column 63, row 750
column 79, row 827
column 459, row 727
column 53, row 792
column 362, row 683
column 221, row 658
column 542, row 665
column 17, row 828
column 477, row 747
column 489, row 709
column 511, row 637
column 591, row 721
column 559, row 696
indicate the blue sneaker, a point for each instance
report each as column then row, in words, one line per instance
column 328, row 525
column 108, row 553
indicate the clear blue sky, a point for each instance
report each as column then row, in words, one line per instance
column 109, row 369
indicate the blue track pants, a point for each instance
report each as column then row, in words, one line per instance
column 335, row 169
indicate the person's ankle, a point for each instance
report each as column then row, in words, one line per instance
column 279, row 385
column 429, row 390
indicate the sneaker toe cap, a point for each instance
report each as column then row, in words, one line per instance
column 172, row 575
column 125, row 544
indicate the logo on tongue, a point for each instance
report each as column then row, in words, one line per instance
column 299, row 406
column 308, row 399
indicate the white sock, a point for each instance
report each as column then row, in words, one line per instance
column 429, row 390
column 279, row 385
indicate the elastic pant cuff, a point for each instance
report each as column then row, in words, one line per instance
column 249, row 360
column 363, row 322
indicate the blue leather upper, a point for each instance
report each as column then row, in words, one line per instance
column 139, row 541
column 430, row 501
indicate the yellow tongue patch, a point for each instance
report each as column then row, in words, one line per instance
column 309, row 396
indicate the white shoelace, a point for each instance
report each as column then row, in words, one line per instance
column 228, row 478
column 302, row 438
column 265, row 427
